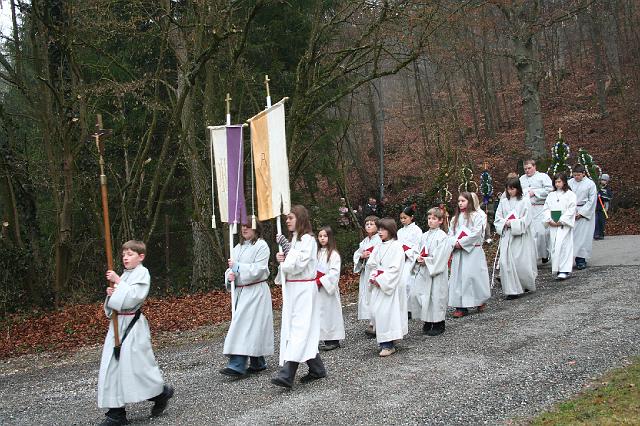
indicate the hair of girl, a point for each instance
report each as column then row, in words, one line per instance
column 303, row 224
column 371, row 218
column 563, row 178
column 437, row 212
column 476, row 201
column 409, row 211
column 257, row 233
column 513, row 183
column 390, row 226
column 471, row 208
column 331, row 241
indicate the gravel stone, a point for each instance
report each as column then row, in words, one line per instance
column 501, row 366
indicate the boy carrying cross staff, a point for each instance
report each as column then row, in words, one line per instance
column 128, row 369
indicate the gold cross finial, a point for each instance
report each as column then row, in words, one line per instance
column 228, row 101
column 266, row 83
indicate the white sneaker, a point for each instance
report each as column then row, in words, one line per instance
column 562, row 276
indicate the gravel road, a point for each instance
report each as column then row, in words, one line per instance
column 501, row 366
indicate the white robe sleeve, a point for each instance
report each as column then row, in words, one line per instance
column 330, row 280
column 500, row 218
column 300, row 255
column 437, row 260
column 389, row 278
column 476, row 236
column 132, row 290
column 569, row 210
column 359, row 263
column 258, row 269
column 547, row 186
column 520, row 225
column 589, row 207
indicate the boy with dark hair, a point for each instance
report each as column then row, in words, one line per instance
column 586, row 199
column 129, row 373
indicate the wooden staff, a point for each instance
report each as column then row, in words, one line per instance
column 99, row 136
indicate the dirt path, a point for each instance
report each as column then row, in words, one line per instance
column 512, row 361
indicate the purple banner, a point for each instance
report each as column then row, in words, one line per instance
column 235, row 175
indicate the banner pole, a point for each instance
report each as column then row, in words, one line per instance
column 227, row 100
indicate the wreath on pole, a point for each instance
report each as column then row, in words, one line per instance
column 486, row 186
column 559, row 155
column 466, row 175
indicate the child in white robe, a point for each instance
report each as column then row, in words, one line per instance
column 331, row 321
column 430, row 292
column 360, row 265
column 388, row 298
column 409, row 237
column 300, row 329
column 586, row 199
column 250, row 336
column 469, row 280
column 560, row 217
column 518, row 266
column 130, row 372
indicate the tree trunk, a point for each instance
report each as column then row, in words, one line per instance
column 527, row 67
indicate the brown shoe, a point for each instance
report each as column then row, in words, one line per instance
column 482, row 307
column 387, row 352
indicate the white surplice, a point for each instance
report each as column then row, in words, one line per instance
column 541, row 185
column 331, row 320
column 361, row 266
column 518, row 266
column 586, row 199
column 300, row 330
column 469, row 281
column 135, row 376
column 251, row 329
column 409, row 237
column 429, row 293
column 561, row 238
column 388, row 299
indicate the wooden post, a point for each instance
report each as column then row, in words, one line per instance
column 99, row 136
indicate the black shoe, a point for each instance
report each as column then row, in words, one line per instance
column 110, row 421
column 115, row 417
column 545, row 260
column 581, row 265
column 329, row 346
column 511, row 296
column 408, row 313
column 279, row 381
column 231, row 372
column 162, row 400
column 426, row 328
column 310, row 378
column 286, row 375
column 256, row 370
column 437, row 329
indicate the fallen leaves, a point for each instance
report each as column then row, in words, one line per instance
column 75, row 326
